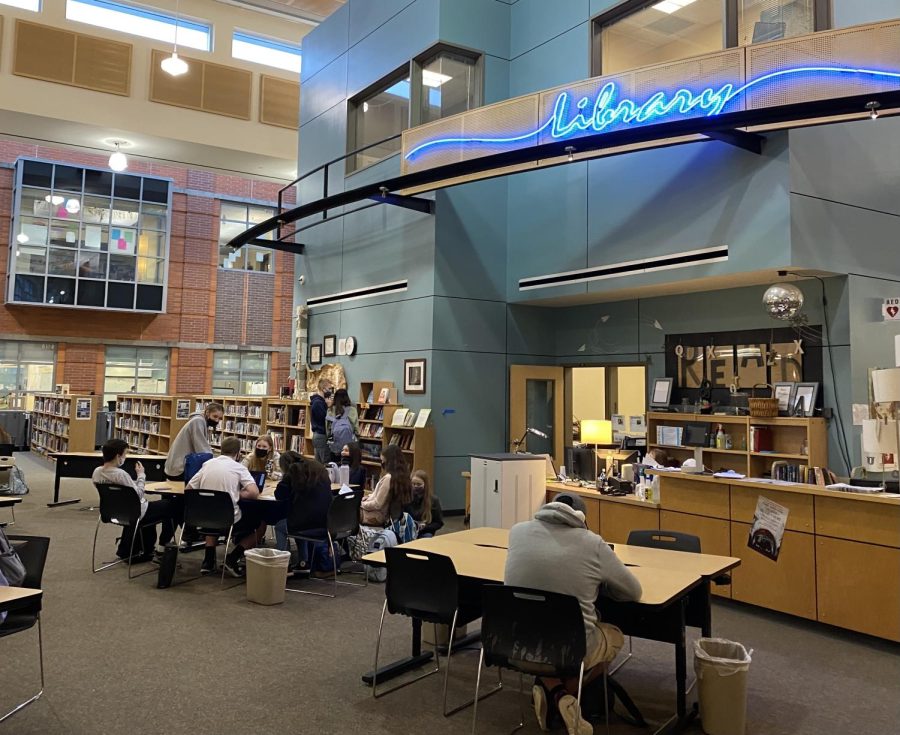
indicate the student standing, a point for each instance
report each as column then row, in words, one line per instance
column 319, row 403
column 193, row 438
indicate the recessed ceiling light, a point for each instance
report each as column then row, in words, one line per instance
column 670, row 6
column 435, row 79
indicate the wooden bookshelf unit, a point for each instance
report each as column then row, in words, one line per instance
column 286, row 421
column 63, row 423
column 417, row 446
column 801, row 442
column 149, row 422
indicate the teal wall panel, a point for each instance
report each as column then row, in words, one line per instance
column 325, row 43
column 476, row 24
column 563, row 59
column 464, row 325
column 367, row 17
column 324, row 90
column 496, row 80
column 854, row 12
column 535, row 22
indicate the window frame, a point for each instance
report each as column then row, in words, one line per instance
column 244, row 249
column 822, row 20
column 20, row 363
column 416, row 87
column 241, row 370
column 276, row 44
column 149, row 13
column 137, row 350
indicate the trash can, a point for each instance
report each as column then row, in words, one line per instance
column 721, row 667
column 266, row 575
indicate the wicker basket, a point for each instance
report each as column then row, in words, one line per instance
column 763, row 408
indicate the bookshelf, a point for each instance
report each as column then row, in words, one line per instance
column 373, row 418
column 63, row 423
column 243, row 419
column 149, row 423
column 757, row 443
column 417, row 446
column 285, row 420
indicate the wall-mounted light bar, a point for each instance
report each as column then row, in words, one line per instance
column 359, row 293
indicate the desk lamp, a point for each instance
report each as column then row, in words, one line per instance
column 596, row 431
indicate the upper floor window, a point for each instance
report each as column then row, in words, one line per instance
column 34, row 5
column 639, row 33
column 437, row 84
column 266, row 51
column 135, row 370
column 240, row 373
column 233, row 220
column 88, row 238
column 26, row 367
column 141, row 21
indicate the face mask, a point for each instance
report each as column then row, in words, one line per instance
column 418, row 490
column 328, row 393
column 212, row 423
column 262, row 453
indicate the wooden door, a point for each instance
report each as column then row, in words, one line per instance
column 536, row 402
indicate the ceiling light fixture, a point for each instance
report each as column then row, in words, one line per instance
column 21, row 238
column 73, row 206
column 173, row 65
column 434, row 79
column 873, row 108
column 55, row 199
column 670, row 6
column 118, row 161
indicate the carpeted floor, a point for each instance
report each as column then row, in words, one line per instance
column 124, row 657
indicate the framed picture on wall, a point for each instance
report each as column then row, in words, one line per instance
column 784, row 392
column 414, row 375
column 315, row 354
column 329, row 345
column 803, row 402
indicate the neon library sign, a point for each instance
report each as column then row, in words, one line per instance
column 570, row 119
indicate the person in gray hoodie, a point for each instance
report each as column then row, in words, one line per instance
column 556, row 552
column 193, row 438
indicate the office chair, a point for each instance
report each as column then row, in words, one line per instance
column 211, row 512
column 535, row 633
column 33, row 554
column 673, row 541
column 342, row 522
column 120, row 506
column 424, row 586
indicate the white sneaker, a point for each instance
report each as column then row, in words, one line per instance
column 571, row 714
column 539, row 698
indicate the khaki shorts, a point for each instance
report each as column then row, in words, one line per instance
column 608, row 641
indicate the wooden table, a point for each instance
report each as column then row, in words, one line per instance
column 671, row 586
column 12, row 598
column 81, row 465
column 176, row 487
column 10, row 501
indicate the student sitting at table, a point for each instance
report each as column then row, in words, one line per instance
column 393, row 491
column 556, row 552
column 167, row 511
column 352, row 455
column 264, row 457
column 225, row 473
column 306, row 487
column 425, row 507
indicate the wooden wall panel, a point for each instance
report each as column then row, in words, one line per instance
column 617, row 520
column 102, row 65
column 800, row 507
column 699, row 498
column 857, row 520
column 279, row 102
column 206, row 87
column 714, row 534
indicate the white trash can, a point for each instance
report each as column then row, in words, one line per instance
column 721, row 667
column 266, row 575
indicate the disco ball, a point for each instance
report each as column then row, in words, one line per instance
column 783, row 301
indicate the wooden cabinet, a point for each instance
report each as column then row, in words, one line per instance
column 787, row 585
column 800, row 507
column 149, row 423
column 688, row 496
column 617, row 520
column 63, row 423
column 714, row 535
column 858, row 520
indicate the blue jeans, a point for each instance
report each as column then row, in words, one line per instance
column 283, row 543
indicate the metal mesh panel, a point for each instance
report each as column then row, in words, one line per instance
column 504, row 120
column 587, row 88
column 450, row 127
column 864, row 47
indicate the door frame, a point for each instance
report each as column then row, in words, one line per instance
column 518, row 375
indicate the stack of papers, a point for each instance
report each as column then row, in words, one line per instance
column 730, row 474
column 845, row 488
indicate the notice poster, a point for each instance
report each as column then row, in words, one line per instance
column 83, row 408
column 121, row 241
column 767, row 530
column 182, row 408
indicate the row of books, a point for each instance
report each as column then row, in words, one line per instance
column 297, row 443
column 669, row 436
column 146, row 408
column 292, row 415
column 56, row 406
column 243, row 427
column 404, row 441
column 135, row 441
column 371, row 431
column 249, row 411
column 374, row 413
column 135, row 424
column 762, row 440
column 788, row 472
column 408, row 418
column 56, row 426
column 49, row 442
column 384, row 396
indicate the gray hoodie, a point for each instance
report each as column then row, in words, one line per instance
column 556, row 552
column 191, row 439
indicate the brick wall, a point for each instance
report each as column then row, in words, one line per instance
column 260, row 306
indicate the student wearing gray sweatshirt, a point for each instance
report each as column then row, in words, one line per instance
column 556, row 552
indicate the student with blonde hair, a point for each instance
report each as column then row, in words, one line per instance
column 425, row 506
column 264, row 457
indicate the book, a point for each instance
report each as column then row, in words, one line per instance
column 409, row 419
column 399, row 417
column 384, row 395
column 422, row 418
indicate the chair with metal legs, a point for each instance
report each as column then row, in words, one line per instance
column 536, row 633
column 342, row 522
column 120, row 506
column 32, row 551
column 424, row 586
column 211, row 512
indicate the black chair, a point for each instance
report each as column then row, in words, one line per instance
column 535, row 633
column 120, row 506
column 342, row 522
column 33, row 553
column 424, row 586
column 211, row 512
column 6, row 450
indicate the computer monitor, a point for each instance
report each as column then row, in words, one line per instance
column 695, row 435
column 259, row 478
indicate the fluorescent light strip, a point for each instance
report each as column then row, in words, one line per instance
column 358, row 293
column 671, row 6
column 627, row 268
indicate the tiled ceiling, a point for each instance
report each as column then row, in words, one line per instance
column 316, row 10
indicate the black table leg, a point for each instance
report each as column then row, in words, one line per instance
column 56, row 501
column 395, row 669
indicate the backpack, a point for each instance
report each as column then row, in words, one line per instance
column 406, row 529
column 16, row 484
column 11, row 566
column 341, row 433
column 193, row 462
column 382, row 540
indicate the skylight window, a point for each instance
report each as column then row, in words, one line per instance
column 138, row 21
column 34, row 5
column 265, row 51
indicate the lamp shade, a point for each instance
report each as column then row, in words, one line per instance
column 886, row 385
column 879, row 437
column 596, row 431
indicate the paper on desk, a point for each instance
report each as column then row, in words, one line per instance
column 730, row 474
column 844, row 487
